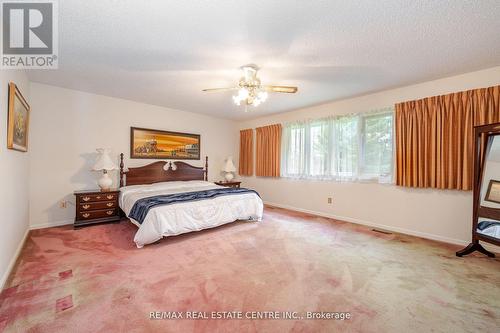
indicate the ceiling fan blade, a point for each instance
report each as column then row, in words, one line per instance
column 219, row 89
column 281, row 89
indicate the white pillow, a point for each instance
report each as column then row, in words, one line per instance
column 193, row 183
column 165, row 186
column 134, row 188
column 179, row 184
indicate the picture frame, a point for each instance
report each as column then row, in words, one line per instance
column 148, row 143
column 18, row 120
column 493, row 192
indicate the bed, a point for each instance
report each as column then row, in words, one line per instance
column 170, row 198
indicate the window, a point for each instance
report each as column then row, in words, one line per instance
column 295, row 145
column 345, row 147
column 377, row 146
column 354, row 147
column 318, row 158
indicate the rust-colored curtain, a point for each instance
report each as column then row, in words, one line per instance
column 268, row 151
column 246, row 152
column 434, row 137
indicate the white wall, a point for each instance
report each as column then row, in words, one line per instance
column 67, row 126
column 436, row 214
column 14, row 180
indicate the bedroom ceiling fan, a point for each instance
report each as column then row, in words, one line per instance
column 250, row 90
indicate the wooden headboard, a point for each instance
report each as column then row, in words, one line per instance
column 156, row 172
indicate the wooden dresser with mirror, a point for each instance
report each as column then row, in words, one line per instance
column 486, row 190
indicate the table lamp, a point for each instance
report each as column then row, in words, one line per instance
column 104, row 164
column 229, row 168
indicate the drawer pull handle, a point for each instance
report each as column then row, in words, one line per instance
column 109, row 212
column 109, row 204
column 86, row 198
column 98, row 197
column 85, row 215
column 110, row 196
column 86, row 206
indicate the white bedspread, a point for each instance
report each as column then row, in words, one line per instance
column 493, row 231
column 179, row 218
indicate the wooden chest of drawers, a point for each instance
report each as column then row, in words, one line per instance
column 96, row 207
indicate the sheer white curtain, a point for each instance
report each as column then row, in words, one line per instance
column 295, row 149
column 344, row 148
column 377, row 146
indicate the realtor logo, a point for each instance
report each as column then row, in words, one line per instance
column 29, row 34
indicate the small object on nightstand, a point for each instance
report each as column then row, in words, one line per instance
column 228, row 184
column 96, row 206
column 229, row 169
column 104, row 164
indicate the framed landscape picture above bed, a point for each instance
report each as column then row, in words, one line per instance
column 158, row 144
column 18, row 120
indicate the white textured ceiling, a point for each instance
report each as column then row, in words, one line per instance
column 165, row 52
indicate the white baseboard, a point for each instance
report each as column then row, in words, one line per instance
column 50, row 224
column 13, row 259
column 374, row 225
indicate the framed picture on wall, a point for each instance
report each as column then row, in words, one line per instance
column 18, row 120
column 158, row 144
column 493, row 193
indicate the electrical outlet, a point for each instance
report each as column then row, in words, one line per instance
column 63, row 204
column 330, row 200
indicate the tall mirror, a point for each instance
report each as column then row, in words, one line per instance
column 486, row 191
column 490, row 190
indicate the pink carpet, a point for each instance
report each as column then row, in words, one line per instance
column 95, row 280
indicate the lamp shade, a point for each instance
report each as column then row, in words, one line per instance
column 229, row 165
column 104, row 161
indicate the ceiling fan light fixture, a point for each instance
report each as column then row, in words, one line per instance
column 243, row 93
column 250, row 90
column 236, row 100
column 263, row 95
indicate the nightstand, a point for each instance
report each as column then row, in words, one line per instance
column 96, row 206
column 229, row 184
